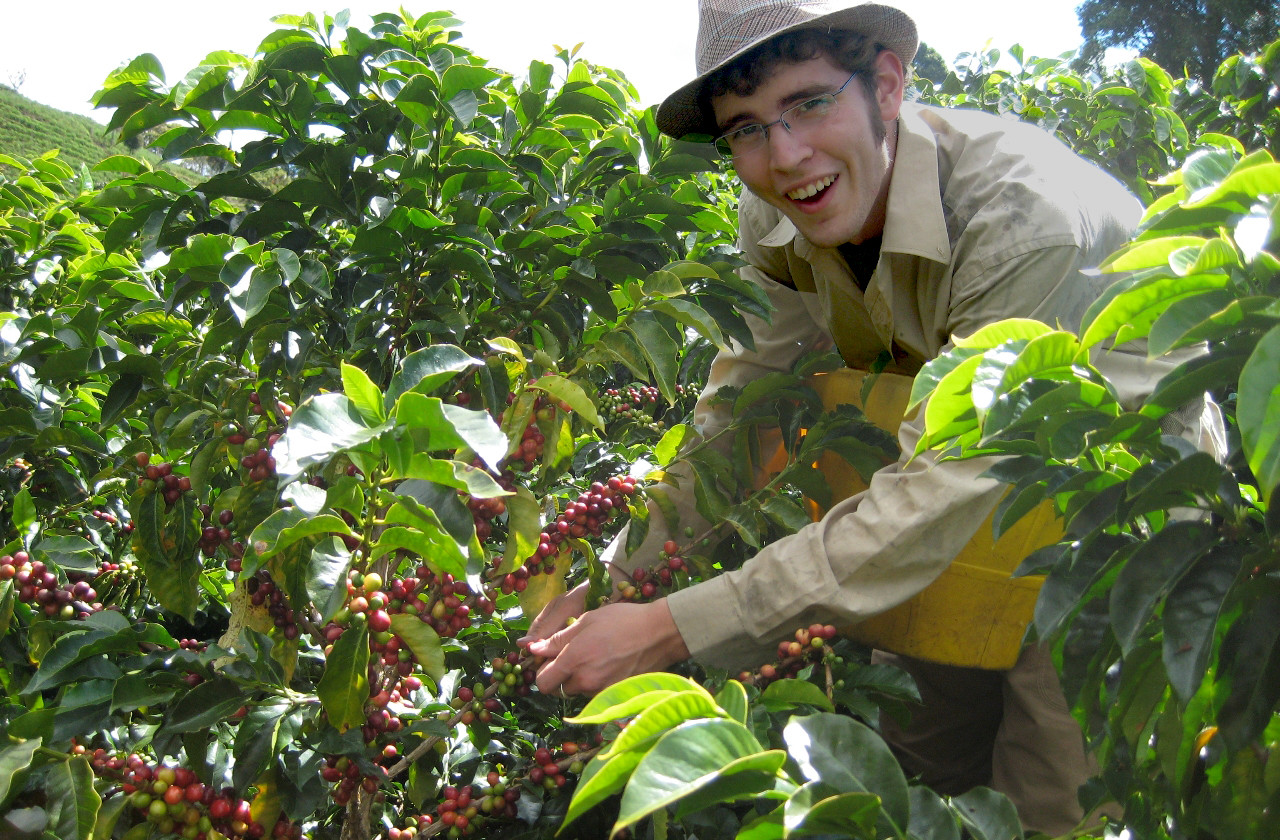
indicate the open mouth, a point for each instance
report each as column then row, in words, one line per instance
column 812, row 192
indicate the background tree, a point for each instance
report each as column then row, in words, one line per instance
column 1193, row 34
column 929, row 64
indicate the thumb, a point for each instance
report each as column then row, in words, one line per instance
column 551, row 646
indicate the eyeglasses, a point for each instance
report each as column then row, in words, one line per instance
column 749, row 139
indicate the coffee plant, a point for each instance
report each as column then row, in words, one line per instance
column 292, row 456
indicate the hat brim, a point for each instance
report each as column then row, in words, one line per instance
column 680, row 114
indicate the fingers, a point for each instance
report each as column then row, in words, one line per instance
column 557, row 671
column 555, row 615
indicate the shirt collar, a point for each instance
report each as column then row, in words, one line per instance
column 914, row 222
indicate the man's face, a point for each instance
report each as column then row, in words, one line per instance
column 830, row 180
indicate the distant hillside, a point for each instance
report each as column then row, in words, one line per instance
column 29, row 129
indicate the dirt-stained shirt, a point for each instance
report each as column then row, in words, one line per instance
column 987, row 219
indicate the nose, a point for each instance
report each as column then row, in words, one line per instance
column 787, row 149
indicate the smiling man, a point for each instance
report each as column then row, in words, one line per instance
column 883, row 228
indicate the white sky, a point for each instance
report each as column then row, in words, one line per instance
column 66, row 48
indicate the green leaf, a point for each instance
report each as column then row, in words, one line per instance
column 687, row 758
column 813, row 811
column 788, row 693
column 465, row 77
column 423, row 641
column 1151, row 573
column 419, row 99
column 1130, row 313
column 570, row 393
column 524, row 527
column 600, row 780
column 287, row 526
column 660, row 717
column 320, row 428
column 673, row 440
column 988, row 815
column 732, row 698
column 627, row 697
column 1258, row 411
column 694, row 317
column 1001, row 332
column 344, row 686
column 660, row 352
column 1190, row 617
column 364, row 394
column 73, row 801
column 931, row 819
column 200, row 708
column 1149, row 253
column 14, row 759
column 427, row 369
column 849, row 756
column 453, row 427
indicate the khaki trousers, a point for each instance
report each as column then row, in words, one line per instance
column 1008, row 730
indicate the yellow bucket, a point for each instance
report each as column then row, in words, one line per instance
column 974, row 614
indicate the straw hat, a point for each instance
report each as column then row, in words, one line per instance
column 729, row 28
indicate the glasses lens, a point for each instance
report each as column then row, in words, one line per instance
column 723, row 147
column 743, row 141
column 812, row 111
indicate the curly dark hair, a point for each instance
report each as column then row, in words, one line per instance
column 851, row 50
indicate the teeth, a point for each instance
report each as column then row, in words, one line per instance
column 812, row 189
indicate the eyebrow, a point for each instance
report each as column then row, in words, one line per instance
column 802, row 95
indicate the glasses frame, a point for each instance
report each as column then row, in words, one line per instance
column 722, row 142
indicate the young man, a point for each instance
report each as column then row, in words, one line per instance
column 876, row 226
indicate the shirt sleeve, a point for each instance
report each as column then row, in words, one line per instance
column 879, row 548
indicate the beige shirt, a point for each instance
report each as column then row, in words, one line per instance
column 987, row 219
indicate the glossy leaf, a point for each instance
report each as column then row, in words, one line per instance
column 69, row 785
column 629, row 696
column 1258, row 411
column 815, row 811
column 344, row 687
column 851, row 758
column 687, row 758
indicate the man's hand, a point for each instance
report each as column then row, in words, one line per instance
column 556, row 614
column 607, row 645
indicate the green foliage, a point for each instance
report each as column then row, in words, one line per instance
column 290, row 465
column 1195, row 36
column 1138, row 121
column 289, row 462
column 1161, row 599
column 31, row 130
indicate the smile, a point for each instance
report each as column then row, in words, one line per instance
column 809, row 191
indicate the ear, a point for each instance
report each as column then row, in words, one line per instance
column 890, row 84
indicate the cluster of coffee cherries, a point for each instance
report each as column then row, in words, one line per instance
column 639, row 404
column 467, row 808
column 176, row 802
column 512, row 676
column 257, row 459
column 346, row 777
column 585, row 516
column 412, row 828
column 111, row 519
column 214, row 532
column 161, row 477
column 283, row 409
column 808, row 645
column 648, row 583
column 549, row 768
column 484, row 511
column 263, row 591
column 529, row 449
column 38, row 586
column 472, row 704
